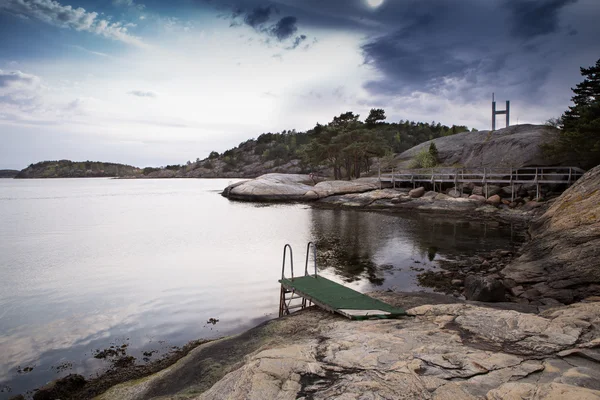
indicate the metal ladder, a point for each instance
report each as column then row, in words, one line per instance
column 285, row 301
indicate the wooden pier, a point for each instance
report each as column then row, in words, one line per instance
column 328, row 295
column 484, row 176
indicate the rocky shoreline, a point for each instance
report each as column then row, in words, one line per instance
column 370, row 194
column 446, row 348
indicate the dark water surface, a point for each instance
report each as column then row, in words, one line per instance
column 86, row 263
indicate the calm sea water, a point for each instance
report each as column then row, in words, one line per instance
column 88, row 263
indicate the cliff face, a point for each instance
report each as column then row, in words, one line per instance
column 515, row 146
column 562, row 260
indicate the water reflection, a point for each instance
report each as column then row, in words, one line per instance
column 385, row 250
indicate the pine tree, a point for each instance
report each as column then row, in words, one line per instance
column 581, row 122
column 433, row 151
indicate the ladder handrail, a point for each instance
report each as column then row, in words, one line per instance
column 291, row 261
column 314, row 256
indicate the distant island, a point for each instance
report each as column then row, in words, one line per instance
column 77, row 169
column 8, row 173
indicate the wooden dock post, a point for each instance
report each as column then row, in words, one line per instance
column 537, row 185
column 456, row 181
column 512, row 186
column 485, row 183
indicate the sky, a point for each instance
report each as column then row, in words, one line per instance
column 151, row 83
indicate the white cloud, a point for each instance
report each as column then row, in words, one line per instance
column 18, row 87
column 142, row 93
column 174, row 24
column 65, row 16
column 129, row 3
column 96, row 53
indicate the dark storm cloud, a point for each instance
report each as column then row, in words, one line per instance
column 458, row 49
column 260, row 17
column 285, row 28
column 465, row 49
column 532, row 18
column 257, row 16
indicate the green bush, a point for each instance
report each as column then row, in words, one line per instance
column 424, row 159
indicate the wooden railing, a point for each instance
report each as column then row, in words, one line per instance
column 484, row 176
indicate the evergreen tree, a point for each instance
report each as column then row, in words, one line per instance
column 581, row 122
column 376, row 115
column 433, row 151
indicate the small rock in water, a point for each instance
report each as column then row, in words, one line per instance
column 484, row 289
column 212, row 321
column 456, row 282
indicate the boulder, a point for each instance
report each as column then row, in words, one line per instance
column 507, row 191
column 562, row 258
column 468, row 187
column 484, row 289
column 332, row 188
column 494, row 200
column 363, row 199
column 478, row 190
column 453, row 193
column 493, row 190
column 416, row 193
column 477, row 197
column 430, row 195
column 271, row 187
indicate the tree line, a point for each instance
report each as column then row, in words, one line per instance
column 346, row 144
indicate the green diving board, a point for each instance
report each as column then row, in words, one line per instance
column 337, row 298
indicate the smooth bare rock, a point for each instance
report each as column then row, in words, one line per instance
column 515, row 146
column 332, row 188
column 444, row 351
column 271, row 187
column 454, row 193
column 416, row 193
column 361, row 199
column 530, row 205
column 562, row 259
column 550, row 391
column 478, row 198
column 494, row 200
column 429, row 195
